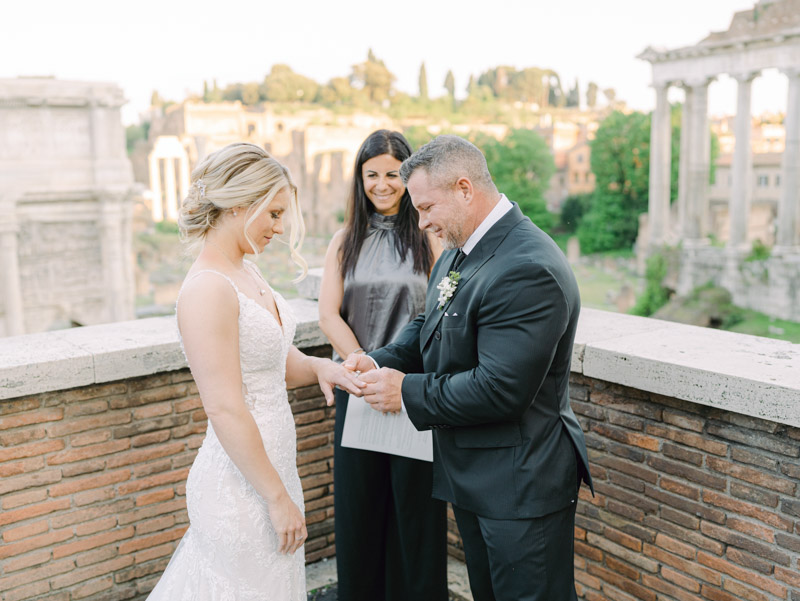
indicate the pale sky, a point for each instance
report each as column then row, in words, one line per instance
column 173, row 45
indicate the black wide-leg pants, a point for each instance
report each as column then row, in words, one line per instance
column 391, row 535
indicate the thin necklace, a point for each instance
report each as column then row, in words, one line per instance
column 261, row 291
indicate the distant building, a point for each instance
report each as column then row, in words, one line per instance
column 317, row 145
column 66, row 189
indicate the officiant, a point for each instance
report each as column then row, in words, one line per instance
column 390, row 532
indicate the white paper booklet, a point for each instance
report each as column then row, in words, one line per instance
column 365, row 428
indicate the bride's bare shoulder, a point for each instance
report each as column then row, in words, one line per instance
column 207, row 293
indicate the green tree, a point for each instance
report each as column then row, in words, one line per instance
column 528, row 85
column 591, row 95
column 135, row 133
column 337, row 91
column 284, row 85
column 450, row 84
column 574, row 96
column 521, row 166
column 423, row 82
column 373, row 77
column 621, row 163
column 573, row 209
column 655, row 295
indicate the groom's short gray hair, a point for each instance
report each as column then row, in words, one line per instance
column 446, row 159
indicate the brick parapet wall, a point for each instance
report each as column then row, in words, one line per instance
column 93, row 484
column 697, row 492
column 691, row 502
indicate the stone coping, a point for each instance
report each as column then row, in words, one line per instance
column 744, row 374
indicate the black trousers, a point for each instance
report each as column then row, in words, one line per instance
column 520, row 560
column 391, row 536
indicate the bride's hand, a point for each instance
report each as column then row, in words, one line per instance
column 330, row 374
column 289, row 523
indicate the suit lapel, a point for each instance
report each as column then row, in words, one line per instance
column 471, row 264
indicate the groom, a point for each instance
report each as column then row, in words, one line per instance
column 487, row 368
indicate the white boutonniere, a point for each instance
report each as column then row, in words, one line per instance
column 447, row 287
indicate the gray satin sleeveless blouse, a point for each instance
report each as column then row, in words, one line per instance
column 382, row 294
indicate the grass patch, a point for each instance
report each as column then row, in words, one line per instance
column 758, row 324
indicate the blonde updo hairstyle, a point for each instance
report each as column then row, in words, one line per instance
column 240, row 176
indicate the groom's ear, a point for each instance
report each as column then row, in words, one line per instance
column 464, row 189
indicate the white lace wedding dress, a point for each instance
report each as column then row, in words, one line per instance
column 229, row 552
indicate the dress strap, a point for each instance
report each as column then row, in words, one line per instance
column 197, row 273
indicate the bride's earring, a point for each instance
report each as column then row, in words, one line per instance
column 235, row 213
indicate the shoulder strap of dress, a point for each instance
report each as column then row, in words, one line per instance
column 197, row 273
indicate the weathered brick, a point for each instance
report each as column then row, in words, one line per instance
column 95, row 526
column 165, row 550
column 91, row 513
column 145, row 542
column 679, row 517
column 682, row 420
column 679, row 488
column 91, row 437
column 73, row 486
column 756, row 530
column 790, row 507
column 682, row 454
column 674, row 546
column 620, row 567
column 34, row 542
column 88, row 452
column 170, row 507
column 32, row 511
column 84, row 393
column 18, row 437
column 684, row 565
column 659, row 584
column 791, row 542
column 749, row 561
column 40, row 572
column 31, row 450
column 689, row 473
column 28, row 591
column 150, row 438
column 623, row 539
column 92, row 571
column 632, row 438
column 15, row 468
column 104, row 420
column 637, row 471
column 94, row 496
column 790, row 577
column 138, row 571
column 154, row 410
column 142, row 455
column 754, row 458
column 14, row 534
column 635, row 558
column 621, row 403
column 154, row 481
column 188, row 405
column 314, row 455
column 154, row 525
column 151, row 395
column 681, row 579
column 155, row 497
column 696, row 509
column 629, row 498
column 742, row 542
column 766, row 443
column 33, row 417
column 688, row 438
column 24, row 498
column 92, row 542
column 758, row 477
column 85, row 408
column 81, row 468
column 26, row 561
column 153, row 467
column 11, row 406
column 715, row 594
column 95, row 586
column 745, row 593
column 625, row 420
column 142, row 427
column 755, row 495
column 621, row 582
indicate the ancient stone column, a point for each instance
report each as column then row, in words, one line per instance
column 698, row 162
column 742, row 168
column 155, row 187
column 170, row 189
column 660, row 155
column 683, row 165
column 10, row 288
column 787, row 208
column 183, row 178
column 115, row 251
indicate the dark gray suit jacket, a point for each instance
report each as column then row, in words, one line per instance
column 489, row 373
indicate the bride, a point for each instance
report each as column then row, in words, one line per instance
column 243, row 493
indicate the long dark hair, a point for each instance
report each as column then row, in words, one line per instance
column 359, row 208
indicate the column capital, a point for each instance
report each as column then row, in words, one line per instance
column 697, row 82
column 745, row 76
column 661, row 85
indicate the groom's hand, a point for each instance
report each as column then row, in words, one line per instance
column 384, row 389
